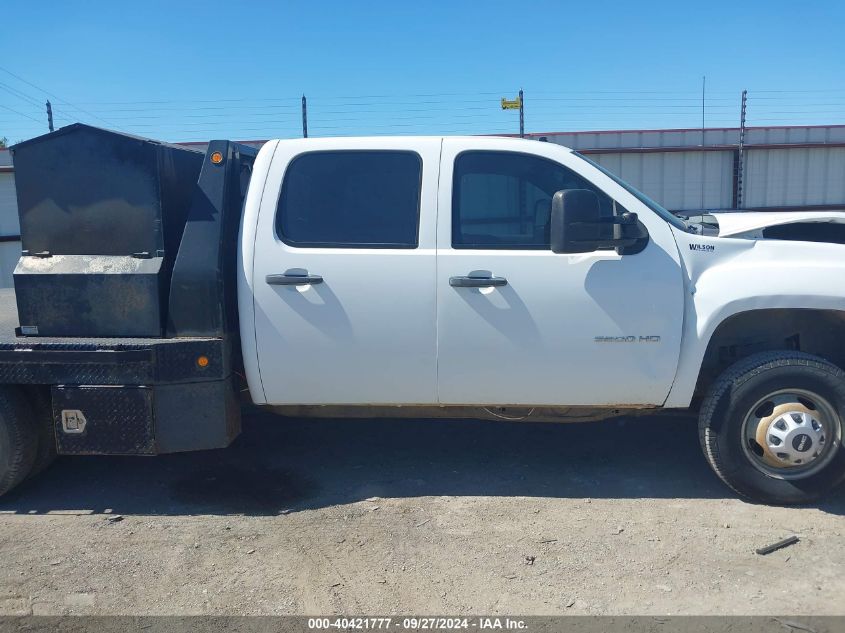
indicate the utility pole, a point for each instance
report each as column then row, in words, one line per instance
column 49, row 116
column 304, row 117
column 521, row 114
column 516, row 104
column 703, row 134
column 740, row 150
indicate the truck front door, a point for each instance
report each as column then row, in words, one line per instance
column 344, row 273
column 546, row 329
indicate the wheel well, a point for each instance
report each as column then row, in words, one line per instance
column 817, row 332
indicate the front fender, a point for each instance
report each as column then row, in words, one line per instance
column 741, row 275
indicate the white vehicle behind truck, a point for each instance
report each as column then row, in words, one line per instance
column 442, row 276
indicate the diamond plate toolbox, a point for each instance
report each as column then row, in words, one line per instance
column 104, row 420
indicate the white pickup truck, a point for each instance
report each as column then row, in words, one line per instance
column 455, row 276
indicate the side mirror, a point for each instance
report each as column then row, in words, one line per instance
column 577, row 226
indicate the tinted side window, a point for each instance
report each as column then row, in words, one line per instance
column 504, row 199
column 363, row 199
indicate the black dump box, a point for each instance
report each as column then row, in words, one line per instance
column 124, row 308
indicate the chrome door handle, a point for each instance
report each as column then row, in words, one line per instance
column 477, row 282
column 293, row 280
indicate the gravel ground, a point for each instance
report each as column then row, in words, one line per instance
column 415, row 517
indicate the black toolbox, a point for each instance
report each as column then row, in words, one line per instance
column 102, row 215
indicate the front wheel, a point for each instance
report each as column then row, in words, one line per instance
column 771, row 427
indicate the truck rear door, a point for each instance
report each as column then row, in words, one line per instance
column 344, row 272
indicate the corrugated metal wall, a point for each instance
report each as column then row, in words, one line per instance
column 677, row 180
column 8, row 201
column 629, row 139
column 794, row 177
column 9, row 251
column 710, row 138
column 695, row 170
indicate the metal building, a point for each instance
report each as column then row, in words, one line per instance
column 775, row 168
column 10, row 231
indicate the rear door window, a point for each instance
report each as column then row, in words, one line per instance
column 351, row 199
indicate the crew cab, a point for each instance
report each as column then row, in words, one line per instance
column 410, row 276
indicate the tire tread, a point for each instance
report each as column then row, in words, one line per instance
column 13, row 414
column 42, row 419
column 735, row 376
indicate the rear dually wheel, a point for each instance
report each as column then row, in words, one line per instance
column 18, row 441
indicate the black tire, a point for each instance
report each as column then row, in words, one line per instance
column 17, row 438
column 42, row 419
column 732, row 397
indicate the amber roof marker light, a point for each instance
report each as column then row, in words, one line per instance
column 216, row 158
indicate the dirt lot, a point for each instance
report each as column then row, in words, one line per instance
column 422, row 517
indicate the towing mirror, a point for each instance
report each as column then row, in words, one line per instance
column 577, row 226
column 576, row 221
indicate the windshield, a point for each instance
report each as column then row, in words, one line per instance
column 667, row 215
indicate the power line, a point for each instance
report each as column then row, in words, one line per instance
column 20, row 95
column 48, row 93
column 826, row 90
column 451, row 104
column 446, row 112
column 20, row 113
column 322, row 98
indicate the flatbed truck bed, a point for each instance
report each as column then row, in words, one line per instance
column 44, row 360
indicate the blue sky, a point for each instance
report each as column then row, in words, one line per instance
column 183, row 70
